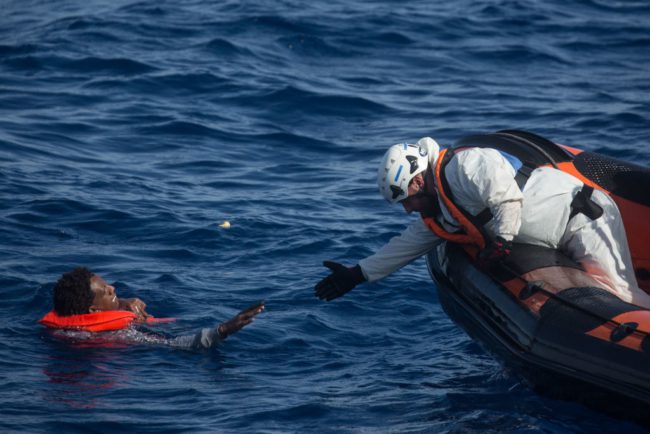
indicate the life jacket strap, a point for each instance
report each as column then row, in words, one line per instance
column 470, row 233
column 521, row 177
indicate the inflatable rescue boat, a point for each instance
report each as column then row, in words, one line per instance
column 541, row 312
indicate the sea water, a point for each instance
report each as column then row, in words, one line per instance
column 130, row 130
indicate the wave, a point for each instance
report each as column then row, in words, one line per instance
column 316, row 47
column 194, row 166
column 224, row 47
column 291, row 140
column 162, row 86
column 121, row 66
column 276, row 23
column 21, row 49
column 516, row 54
column 180, row 128
column 143, row 8
column 291, row 98
column 86, row 65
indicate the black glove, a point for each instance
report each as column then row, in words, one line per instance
column 342, row 280
column 496, row 251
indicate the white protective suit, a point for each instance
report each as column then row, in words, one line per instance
column 480, row 178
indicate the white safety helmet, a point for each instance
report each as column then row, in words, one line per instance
column 401, row 163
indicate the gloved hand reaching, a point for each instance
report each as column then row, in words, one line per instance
column 496, row 251
column 341, row 280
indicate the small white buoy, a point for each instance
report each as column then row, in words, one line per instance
column 225, row 224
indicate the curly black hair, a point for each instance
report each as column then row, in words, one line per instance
column 72, row 294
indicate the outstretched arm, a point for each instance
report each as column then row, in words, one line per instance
column 211, row 337
column 240, row 320
column 413, row 242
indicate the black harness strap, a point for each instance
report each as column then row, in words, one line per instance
column 483, row 217
column 582, row 203
column 522, row 175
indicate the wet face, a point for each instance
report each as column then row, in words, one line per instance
column 420, row 199
column 105, row 296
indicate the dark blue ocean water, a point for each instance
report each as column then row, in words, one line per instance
column 129, row 130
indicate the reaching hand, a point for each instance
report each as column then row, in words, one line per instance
column 496, row 251
column 240, row 320
column 341, row 280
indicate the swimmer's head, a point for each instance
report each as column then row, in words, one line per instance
column 80, row 291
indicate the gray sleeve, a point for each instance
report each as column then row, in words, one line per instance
column 413, row 242
column 204, row 339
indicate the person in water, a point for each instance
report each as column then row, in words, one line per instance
column 84, row 301
column 551, row 209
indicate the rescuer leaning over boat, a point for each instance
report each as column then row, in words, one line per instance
column 487, row 198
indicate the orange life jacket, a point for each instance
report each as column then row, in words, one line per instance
column 92, row 322
column 470, row 234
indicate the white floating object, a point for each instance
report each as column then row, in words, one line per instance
column 225, row 224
